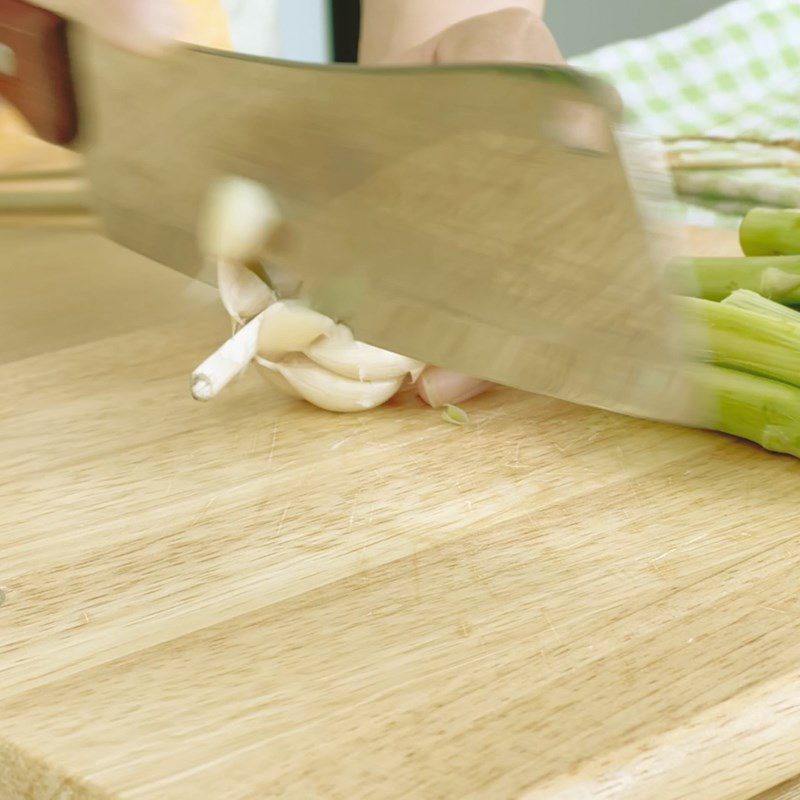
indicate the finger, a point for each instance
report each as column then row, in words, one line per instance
column 396, row 31
column 513, row 35
column 146, row 26
column 439, row 387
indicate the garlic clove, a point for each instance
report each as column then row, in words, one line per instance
column 242, row 292
column 439, row 387
column 290, row 327
column 239, row 218
column 340, row 353
column 330, row 391
column 267, row 371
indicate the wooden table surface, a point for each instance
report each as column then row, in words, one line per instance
column 252, row 598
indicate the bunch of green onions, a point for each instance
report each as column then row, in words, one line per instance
column 742, row 330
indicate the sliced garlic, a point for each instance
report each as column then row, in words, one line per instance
column 238, row 220
column 330, row 391
column 340, row 353
column 290, row 327
column 242, row 292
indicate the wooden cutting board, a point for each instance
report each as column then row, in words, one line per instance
column 252, row 598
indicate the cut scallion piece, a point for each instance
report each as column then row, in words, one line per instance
column 776, row 277
column 764, row 411
column 455, row 415
column 748, row 340
column 754, row 302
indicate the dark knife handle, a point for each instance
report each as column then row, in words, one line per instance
column 35, row 73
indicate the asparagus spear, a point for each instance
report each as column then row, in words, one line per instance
column 752, row 341
column 775, row 277
column 764, row 411
column 771, row 232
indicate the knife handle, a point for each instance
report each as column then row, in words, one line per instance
column 35, row 73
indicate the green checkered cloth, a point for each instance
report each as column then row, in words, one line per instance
column 723, row 93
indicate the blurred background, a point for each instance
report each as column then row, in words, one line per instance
column 316, row 30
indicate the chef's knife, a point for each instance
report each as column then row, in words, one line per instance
column 480, row 218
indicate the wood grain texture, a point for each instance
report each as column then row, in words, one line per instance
column 64, row 286
column 64, row 194
column 790, row 790
column 252, row 598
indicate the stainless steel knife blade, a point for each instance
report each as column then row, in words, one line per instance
column 479, row 218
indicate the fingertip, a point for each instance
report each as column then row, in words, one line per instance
column 159, row 23
column 144, row 26
column 438, row 387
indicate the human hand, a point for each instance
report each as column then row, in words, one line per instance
column 406, row 32
column 142, row 25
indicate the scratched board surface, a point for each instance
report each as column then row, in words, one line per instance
column 252, row 599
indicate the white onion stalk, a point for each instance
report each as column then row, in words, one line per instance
column 290, row 327
column 330, row 391
column 220, row 368
column 340, row 353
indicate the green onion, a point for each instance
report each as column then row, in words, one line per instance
column 771, row 232
column 776, row 277
column 764, row 411
column 738, row 325
column 748, row 340
column 751, row 301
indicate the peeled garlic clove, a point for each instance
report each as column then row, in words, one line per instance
column 339, row 353
column 239, row 218
column 268, row 372
column 290, row 327
column 242, row 292
column 330, row 391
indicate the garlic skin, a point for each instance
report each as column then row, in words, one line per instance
column 242, row 292
column 222, row 366
column 238, row 220
column 339, row 352
column 330, row 391
column 290, row 327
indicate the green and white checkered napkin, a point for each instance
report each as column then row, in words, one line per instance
column 723, row 93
